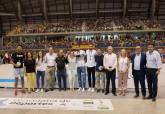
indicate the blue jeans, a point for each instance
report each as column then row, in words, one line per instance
column 61, row 76
column 19, row 72
column 81, row 73
column 40, row 74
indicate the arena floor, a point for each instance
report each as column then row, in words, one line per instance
column 122, row 105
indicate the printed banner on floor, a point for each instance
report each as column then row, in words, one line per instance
column 57, row 104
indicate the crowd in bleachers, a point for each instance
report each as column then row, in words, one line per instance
column 87, row 25
column 65, row 43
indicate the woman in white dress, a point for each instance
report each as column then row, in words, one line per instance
column 123, row 67
column 71, row 69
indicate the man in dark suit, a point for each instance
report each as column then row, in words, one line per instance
column 139, row 71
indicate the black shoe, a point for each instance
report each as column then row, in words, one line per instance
column 103, row 91
column 32, row 90
column 98, row 90
column 114, row 94
column 149, row 97
column 46, row 90
column 52, row 89
column 136, row 96
column 153, row 99
column 106, row 93
column 144, row 97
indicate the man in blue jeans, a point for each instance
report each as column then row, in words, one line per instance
column 61, row 61
column 81, row 70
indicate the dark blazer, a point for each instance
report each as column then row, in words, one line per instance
column 143, row 62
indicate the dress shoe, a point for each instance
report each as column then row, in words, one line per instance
column 106, row 93
column 64, row 89
column 153, row 99
column 136, row 96
column 144, row 97
column 149, row 97
column 98, row 90
column 114, row 94
column 52, row 89
column 46, row 90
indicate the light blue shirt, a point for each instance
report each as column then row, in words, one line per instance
column 137, row 60
column 154, row 60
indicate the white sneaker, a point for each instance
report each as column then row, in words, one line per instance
column 83, row 89
column 37, row 90
column 89, row 89
column 93, row 90
column 79, row 89
column 42, row 90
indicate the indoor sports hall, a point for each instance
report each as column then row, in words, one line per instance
column 82, row 56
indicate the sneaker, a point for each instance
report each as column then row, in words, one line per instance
column 83, row 89
column 89, row 89
column 42, row 90
column 37, row 90
column 93, row 90
column 79, row 89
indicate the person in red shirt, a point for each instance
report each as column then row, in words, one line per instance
column 6, row 58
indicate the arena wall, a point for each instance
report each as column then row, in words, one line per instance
column 7, row 77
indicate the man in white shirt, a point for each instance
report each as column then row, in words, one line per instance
column 110, row 63
column 90, row 57
column 50, row 62
column 139, row 71
column 153, row 65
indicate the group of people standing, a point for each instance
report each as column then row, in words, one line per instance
column 99, row 67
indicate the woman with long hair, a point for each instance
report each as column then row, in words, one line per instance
column 30, row 71
column 123, row 67
column 41, row 68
